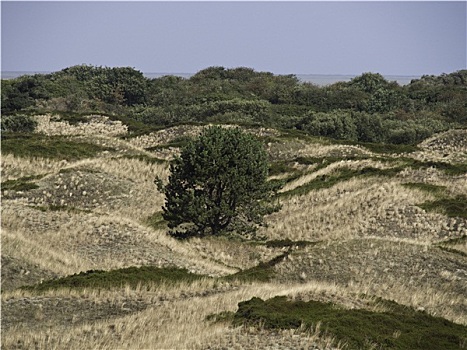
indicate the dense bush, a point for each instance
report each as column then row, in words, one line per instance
column 337, row 124
column 411, row 131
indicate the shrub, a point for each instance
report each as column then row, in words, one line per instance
column 336, row 124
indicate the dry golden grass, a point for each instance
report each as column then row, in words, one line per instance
column 364, row 206
column 143, row 199
column 438, row 303
column 81, row 241
column 408, row 272
column 16, row 167
column 354, row 165
column 377, row 217
column 180, row 324
column 461, row 247
column 46, row 255
column 236, row 254
column 290, row 149
column 95, row 125
column 448, row 146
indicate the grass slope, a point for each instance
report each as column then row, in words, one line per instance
column 350, row 223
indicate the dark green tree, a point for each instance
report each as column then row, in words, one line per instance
column 218, row 184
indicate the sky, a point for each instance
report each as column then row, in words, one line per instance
column 305, row 37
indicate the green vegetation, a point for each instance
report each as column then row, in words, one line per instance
column 367, row 109
column 18, row 123
column 447, row 245
column 447, row 168
column 383, row 148
column 342, row 174
column 145, row 158
column 434, row 189
column 287, row 243
column 282, row 167
column 450, row 206
column 453, row 207
column 178, row 142
column 399, row 328
column 132, row 276
column 218, row 184
column 21, row 184
column 56, row 147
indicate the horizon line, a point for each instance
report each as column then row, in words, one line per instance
column 193, row 73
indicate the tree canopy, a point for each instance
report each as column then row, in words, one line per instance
column 218, row 184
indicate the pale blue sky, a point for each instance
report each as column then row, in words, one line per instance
column 392, row 38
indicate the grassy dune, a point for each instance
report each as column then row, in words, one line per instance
column 367, row 231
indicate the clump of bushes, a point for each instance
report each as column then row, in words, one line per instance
column 368, row 108
column 18, row 123
column 365, row 127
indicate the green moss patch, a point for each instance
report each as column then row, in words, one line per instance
column 54, row 147
column 448, row 168
column 433, row 189
column 177, row 142
column 399, row 328
column 388, row 148
column 264, row 272
column 452, row 207
column 281, row 167
column 145, row 158
column 21, row 184
column 132, row 276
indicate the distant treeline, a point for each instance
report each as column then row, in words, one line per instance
column 368, row 108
